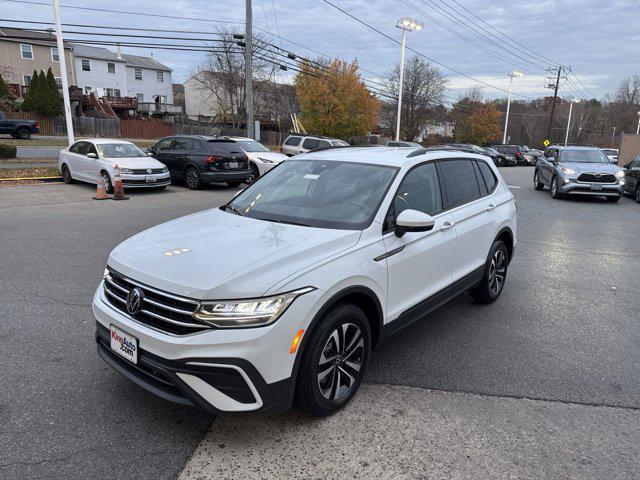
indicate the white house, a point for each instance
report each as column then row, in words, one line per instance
column 109, row 74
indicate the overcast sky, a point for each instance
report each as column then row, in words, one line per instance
column 599, row 40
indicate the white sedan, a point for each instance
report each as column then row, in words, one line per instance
column 85, row 159
column 261, row 159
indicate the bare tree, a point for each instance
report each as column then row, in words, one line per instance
column 628, row 91
column 424, row 86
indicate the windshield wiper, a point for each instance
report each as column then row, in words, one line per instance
column 228, row 206
column 275, row 220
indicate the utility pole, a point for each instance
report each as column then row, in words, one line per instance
column 63, row 72
column 506, row 119
column 566, row 138
column 555, row 97
column 248, row 74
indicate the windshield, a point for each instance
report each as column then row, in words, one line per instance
column 317, row 193
column 583, row 156
column 119, row 150
column 609, row 151
column 252, row 146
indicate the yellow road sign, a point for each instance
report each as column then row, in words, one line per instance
column 546, row 143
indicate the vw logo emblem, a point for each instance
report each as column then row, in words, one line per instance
column 134, row 300
column 149, row 170
column 598, row 175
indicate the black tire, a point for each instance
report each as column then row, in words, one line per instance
column 192, row 178
column 614, row 199
column 537, row 184
column 555, row 187
column 637, row 195
column 326, row 354
column 496, row 266
column 234, row 184
column 255, row 173
column 23, row 133
column 66, row 174
column 108, row 184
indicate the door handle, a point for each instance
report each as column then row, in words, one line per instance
column 446, row 226
column 490, row 207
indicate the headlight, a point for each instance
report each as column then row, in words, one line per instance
column 265, row 160
column 256, row 312
column 165, row 169
column 126, row 170
column 567, row 170
column 620, row 174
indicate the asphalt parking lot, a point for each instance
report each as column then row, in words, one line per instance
column 543, row 383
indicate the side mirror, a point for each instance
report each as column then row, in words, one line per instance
column 92, row 155
column 413, row 221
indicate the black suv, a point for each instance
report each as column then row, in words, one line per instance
column 200, row 160
column 632, row 178
column 515, row 152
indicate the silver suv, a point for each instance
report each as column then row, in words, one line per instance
column 303, row 143
column 578, row 171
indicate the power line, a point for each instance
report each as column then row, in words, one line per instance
column 420, row 53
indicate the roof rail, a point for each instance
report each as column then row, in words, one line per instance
column 334, row 147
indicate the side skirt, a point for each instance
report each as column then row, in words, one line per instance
column 426, row 306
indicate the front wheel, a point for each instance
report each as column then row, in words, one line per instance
column 494, row 276
column 555, row 189
column 66, row 174
column 255, row 173
column 537, row 184
column 108, row 185
column 334, row 361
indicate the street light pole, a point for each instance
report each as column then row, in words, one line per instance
column 405, row 24
column 506, row 120
column 63, row 72
column 248, row 74
column 566, row 137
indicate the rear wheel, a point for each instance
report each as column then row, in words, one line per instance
column 66, row 174
column 192, row 179
column 23, row 133
column 537, row 184
column 495, row 274
column 334, row 361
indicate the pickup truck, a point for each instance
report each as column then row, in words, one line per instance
column 18, row 128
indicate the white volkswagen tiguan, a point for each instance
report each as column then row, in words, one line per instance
column 278, row 297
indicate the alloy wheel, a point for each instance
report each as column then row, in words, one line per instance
column 554, row 187
column 192, row 178
column 638, row 194
column 536, row 180
column 107, row 182
column 340, row 363
column 497, row 272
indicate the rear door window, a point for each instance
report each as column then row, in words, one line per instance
column 292, row 141
column 461, row 181
column 179, row 144
column 324, row 143
column 310, row 143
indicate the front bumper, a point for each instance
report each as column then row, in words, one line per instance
column 223, row 177
column 221, row 370
column 573, row 187
column 140, row 181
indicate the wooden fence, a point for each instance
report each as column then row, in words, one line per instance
column 135, row 128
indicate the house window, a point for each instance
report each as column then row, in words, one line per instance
column 54, row 54
column 140, row 97
column 111, row 67
column 86, row 65
column 26, row 80
column 137, row 73
column 160, row 76
column 109, row 92
column 87, row 90
column 58, row 82
column 26, row 51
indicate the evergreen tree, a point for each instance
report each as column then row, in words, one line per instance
column 52, row 100
column 28, row 105
column 4, row 90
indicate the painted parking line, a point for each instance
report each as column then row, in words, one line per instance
column 513, row 186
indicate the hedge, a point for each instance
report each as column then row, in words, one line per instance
column 8, row 151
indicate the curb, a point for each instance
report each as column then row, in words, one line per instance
column 41, row 179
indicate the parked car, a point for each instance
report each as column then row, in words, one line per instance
column 302, row 143
column 500, row 159
column 612, row 154
column 22, row 129
column 261, row 159
column 394, row 143
column 199, row 160
column 578, row 171
column 513, row 151
column 632, row 178
column 85, row 159
column 279, row 296
column 471, row 148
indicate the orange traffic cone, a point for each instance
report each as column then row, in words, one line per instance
column 118, row 189
column 101, row 191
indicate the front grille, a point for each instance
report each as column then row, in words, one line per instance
column 597, row 178
column 160, row 310
column 145, row 171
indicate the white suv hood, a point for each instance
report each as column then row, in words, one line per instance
column 218, row 255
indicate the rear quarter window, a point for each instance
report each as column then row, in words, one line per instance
column 310, row 143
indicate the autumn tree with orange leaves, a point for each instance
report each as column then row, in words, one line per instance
column 334, row 100
column 476, row 121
